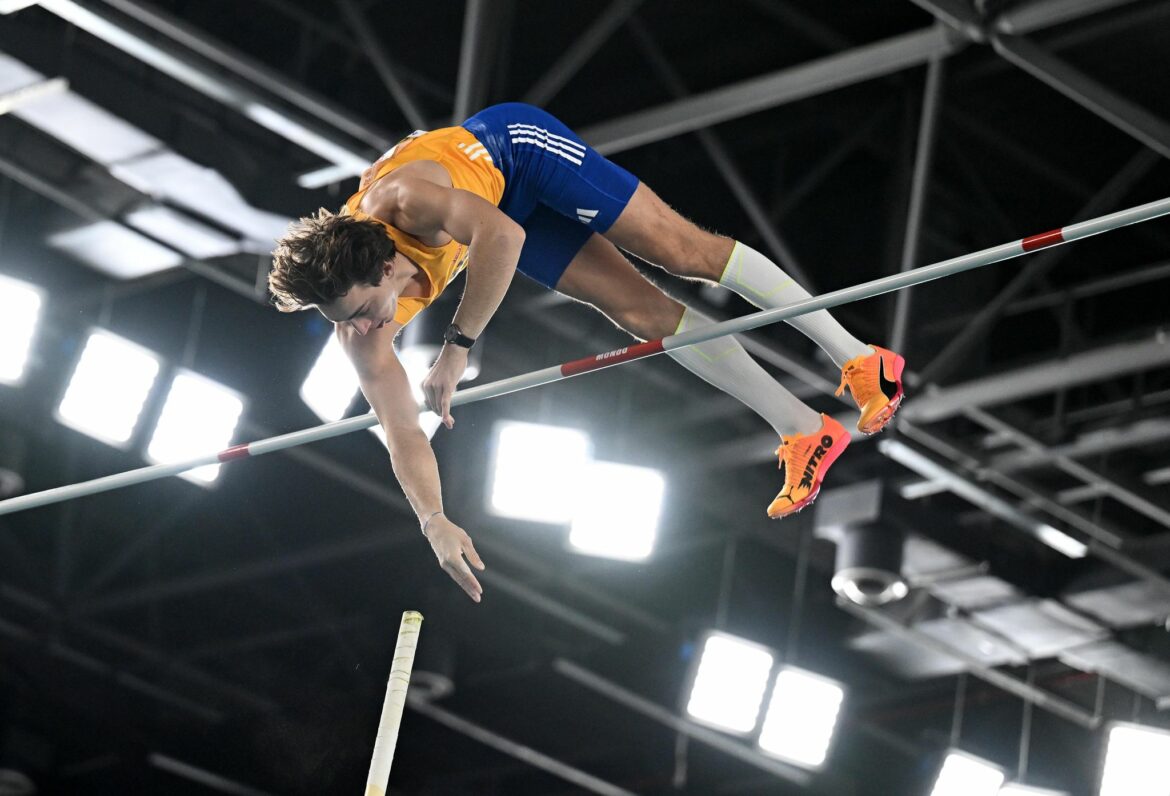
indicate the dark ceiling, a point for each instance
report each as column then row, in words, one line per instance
column 247, row 630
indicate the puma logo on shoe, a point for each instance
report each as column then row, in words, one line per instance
column 889, row 387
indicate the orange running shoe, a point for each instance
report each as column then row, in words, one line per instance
column 804, row 460
column 875, row 381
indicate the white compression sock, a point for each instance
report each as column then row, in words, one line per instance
column 764, row 284
column 724, row 363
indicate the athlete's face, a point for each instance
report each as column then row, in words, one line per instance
column 364, row 307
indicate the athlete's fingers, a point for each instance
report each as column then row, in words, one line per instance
column 448, row 421
column 461, row 574
column 472, row 555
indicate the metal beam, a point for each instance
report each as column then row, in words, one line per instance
column 725, row 163
column 922, row 165
column 947, row 360
column 580, row 51
column 1125, row 115
column 1144, row 433
column 814, row 177
column 190, row 72
column 126, row 555
column 272, row 638
column 35, row 183
column 1159, row 476
column 525, row 754
column 1033, row 15
column 977, row 495
column 361, row 27
column 770, row 91
column 1058, row 706
column 131, row 646
column 1099, row 481
column 324, row 28
column 803, row 23
column 376, row 542
column 957, row 15
column 1030, row 495
column 254, row 71
column 1103, row 542
column 208, row 779
column 1153, row 272
column 932, row 405
column 1024, row 159
column 471, row 83
column 11, row 100
column 56, row 648
column 710, row 738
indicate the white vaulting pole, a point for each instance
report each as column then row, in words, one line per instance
column 392, row 707
column 536, row 378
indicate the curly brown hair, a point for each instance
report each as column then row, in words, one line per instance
column 322, row 256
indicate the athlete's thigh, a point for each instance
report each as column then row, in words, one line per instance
column 600, row 275
column 651, row 229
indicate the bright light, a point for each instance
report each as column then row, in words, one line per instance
column 193, row 238
column 1061, row 542
column 116, row 250
column 801, row 717
column 966, row 775
column 730, row 683
column 1015, row 789
column 332, row 384
column 1135, row 761
column 199, row 417
column 109, row 388
column 20, row 309
column 618, row 515
column 538, row 471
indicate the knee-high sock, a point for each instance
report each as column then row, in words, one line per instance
column 764, row 284
column 724, row 363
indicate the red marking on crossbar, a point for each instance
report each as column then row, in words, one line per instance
column 235, row 452
column 1043, row 239
column 611, row 358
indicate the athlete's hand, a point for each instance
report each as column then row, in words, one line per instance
column 451, row 545
column 439, row 385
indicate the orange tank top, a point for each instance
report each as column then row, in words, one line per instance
column 471, row 169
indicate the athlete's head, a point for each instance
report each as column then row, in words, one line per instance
column 337, row 264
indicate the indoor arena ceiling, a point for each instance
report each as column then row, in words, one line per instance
column 171, row 638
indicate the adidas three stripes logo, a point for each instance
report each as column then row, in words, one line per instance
column 552, row 143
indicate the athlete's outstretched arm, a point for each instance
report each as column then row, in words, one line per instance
column 423, row 208
column 386, row 387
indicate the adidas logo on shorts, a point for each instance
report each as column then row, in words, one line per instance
column 586, row 216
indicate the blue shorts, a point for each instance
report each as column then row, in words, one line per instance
column 555, row 186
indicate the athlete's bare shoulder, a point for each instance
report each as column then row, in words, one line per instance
column 388, row 193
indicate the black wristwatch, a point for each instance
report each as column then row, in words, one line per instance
column 456, row 336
